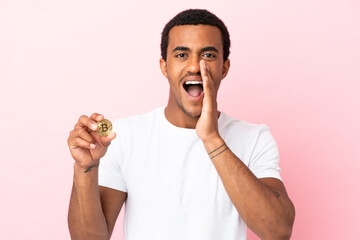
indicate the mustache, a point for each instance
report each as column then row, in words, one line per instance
column 189, row 74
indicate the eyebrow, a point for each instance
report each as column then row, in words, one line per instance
column 181, row 48
column 205, row 49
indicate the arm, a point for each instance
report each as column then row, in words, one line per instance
column 262, row 203
column 93, row 210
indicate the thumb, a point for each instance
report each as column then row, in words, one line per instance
column 107, row 140
column 103, row 141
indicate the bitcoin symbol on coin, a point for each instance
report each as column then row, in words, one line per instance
column 105, row 128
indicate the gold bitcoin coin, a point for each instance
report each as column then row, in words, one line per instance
column 105, row 128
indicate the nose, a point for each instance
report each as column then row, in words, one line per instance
column 194, row 64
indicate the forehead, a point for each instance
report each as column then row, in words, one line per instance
column 193, row 36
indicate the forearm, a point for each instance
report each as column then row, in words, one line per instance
column 86, row 218
column 266, row 211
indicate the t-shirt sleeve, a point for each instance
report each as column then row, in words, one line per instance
column 111, row 166
column 264, row 159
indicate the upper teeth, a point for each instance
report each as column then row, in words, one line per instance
column 193, row 82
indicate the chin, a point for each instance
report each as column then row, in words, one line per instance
column 190, row 109
column 192, row 112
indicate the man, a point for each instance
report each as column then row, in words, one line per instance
column 186, row 171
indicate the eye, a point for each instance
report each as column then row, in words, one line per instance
column 180, row 55
column 209, row 55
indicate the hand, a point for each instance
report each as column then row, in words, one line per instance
column 85, row 144
column 207, row 125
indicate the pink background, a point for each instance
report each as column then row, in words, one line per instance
column 295, row 67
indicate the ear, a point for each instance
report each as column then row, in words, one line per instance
column 163, row 67
column 226, row 67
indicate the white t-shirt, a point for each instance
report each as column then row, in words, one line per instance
column 174, row 190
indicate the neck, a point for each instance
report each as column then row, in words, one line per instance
column 179, row 119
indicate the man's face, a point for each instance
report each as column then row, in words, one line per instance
column 188, row 44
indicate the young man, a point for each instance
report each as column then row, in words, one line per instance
column 186, row 171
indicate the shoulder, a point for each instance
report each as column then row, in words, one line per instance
column 232, row 126
column 245, row 138
column 254, row 145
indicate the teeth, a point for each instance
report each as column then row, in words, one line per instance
column 193, row 82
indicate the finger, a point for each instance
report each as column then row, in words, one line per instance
column 76, row 142
column 82, row 133
column 85, row 121
column 203, row 69
column 97, row 117
column 204, row 75
column 210, row 81
column 205, row 78
column 110, row 137
column 105, row 141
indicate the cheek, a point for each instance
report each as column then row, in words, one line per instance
column 175, row 73
column 216, row 75
column 176, row 66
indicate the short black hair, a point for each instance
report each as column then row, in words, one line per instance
column 195, row 17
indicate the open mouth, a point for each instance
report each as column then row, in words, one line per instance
column 193, row 88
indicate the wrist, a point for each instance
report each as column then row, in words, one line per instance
column 85, row 180
column 85, row 168
column 212, row 137
column 213, row 143
column 215, row 147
